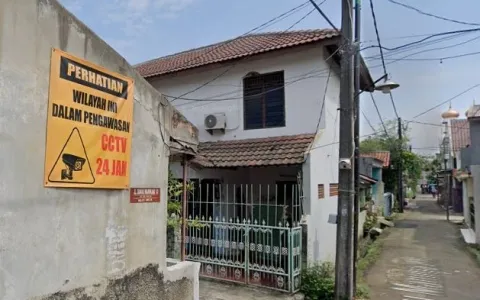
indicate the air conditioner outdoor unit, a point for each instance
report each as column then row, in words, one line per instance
column 215, row 121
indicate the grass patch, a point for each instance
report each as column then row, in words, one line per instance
column 474, row 250
column 370, row 251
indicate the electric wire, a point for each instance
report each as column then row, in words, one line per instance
column 256, row 95
column 422, row 45
column 420, row 35
column 323, row 106
column 383, row 63
column 320, row 11
column 368, row 121
column 393, row 104
column 446, row 101
column 423, row 39
column 441, row 59
column 378, row 36
column 295, row 9
column 310, row 74
column 429, row 50
column 432, row 15
column 378, row 112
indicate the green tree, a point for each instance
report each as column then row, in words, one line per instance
column 432, row 167
column 386, row 139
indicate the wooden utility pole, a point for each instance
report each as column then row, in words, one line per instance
column 400, row 167
column 344, row 245
column 356, row 169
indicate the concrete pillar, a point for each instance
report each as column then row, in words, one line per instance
column 475, row 169
column 466, row 207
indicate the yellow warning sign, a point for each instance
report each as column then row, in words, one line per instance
column 89, row 125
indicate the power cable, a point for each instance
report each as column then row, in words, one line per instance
column 307, row 75
column 432, row 15
column 368, row 121
column 304, row 76
column 379, row 115
column 235, row 64
column 428, row 50
column 439, row 58
column 334, row 143
column 393, row 104
column 323, row 106
column 420, row 35
column 383, row 63
column 424, row 39
column 446, row 101
column 259, row 94
column 320, row 11
column 264, row 25
column 420, row 45
column 378, row 36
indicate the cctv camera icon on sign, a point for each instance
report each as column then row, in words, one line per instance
column 72, row 163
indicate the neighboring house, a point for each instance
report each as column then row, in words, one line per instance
column 468, row 173
column 458, row 132
column 369, row 167
column 377, row 172
column 371, row 179
column 266, row 106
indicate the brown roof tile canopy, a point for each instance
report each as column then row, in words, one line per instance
column 271, row 151
column 240, row 47
column 460, row 134
column 383, row 156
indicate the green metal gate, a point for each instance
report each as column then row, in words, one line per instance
column 249, row 242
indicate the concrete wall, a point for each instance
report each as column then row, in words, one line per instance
column 467, row 192
column 474, row 132
column 65, row 239
column 303, row 93
column 323, row 168
column 475, row 169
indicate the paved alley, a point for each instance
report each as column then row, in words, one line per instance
column 424, row 259
column 214, row 290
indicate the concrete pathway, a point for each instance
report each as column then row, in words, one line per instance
column 214, row 290
column 424, row 259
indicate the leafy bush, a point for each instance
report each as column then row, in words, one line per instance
column 174, row 205
column 370, row 221
column 318, row 281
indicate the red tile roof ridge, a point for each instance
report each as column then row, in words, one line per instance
column 272, row 138
column 235, row 48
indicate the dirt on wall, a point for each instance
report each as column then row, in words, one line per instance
column 142, row 284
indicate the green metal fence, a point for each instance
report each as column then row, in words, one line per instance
column 255, row 239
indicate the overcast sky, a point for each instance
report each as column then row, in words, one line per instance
column 146, row 29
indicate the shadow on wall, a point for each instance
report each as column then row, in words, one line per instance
column 316, row 247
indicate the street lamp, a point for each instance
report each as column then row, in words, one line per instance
column 387, row 86
column 450, row 114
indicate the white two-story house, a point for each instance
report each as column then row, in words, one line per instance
column 266, row 106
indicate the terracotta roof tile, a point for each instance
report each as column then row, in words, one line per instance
column 383, row 156
column 280, row 150
column 232, row 49
column 460, row 134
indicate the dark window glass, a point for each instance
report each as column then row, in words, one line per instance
column 264, row 101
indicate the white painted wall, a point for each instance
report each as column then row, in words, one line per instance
column 323, row 169
column 303, row 98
